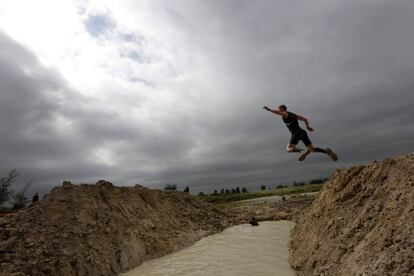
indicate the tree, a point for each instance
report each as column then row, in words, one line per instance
column 186, row 190
column 318, row 181
column 237, row 190
column 244, row 190
column 215, row 192
column 170, row 187
column 296, row 184
column 20, row 199
column 5, row 186
column 263, row 187
column 233, row 190
column 222, row 191
column 227, row 191
column 200, row 194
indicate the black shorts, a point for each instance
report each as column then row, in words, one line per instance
column 300, row 135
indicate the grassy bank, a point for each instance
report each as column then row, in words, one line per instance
column 224, row 198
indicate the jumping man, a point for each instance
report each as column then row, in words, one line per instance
column 299, row 134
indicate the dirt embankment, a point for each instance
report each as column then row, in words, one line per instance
column 361, row 223
column 102, row 230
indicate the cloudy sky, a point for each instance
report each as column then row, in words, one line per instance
column 157, row 92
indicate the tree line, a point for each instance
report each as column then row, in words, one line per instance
column 237, row 190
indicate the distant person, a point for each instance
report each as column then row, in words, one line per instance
column 298, row 134
column 35, row 198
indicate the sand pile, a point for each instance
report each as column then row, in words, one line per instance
column 361, row 223
column 101, row 229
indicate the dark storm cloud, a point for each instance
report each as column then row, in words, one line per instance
column 32, row 100
column 35, row 105
column 51, row 132
column 346, row 65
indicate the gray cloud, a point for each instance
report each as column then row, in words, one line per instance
column 347, row 65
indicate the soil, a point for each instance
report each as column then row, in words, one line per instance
column 361, row 223
column 102, row 229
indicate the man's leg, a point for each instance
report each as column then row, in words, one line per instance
column 306, row 153
column 305, row 139
column 294, row 140
column 328, row 152
column 332, row 154
column 311, row 148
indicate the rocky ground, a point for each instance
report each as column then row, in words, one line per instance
column 102, row 230
column 361, row 223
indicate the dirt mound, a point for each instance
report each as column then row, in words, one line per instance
column 361, row 223
column 102, row 230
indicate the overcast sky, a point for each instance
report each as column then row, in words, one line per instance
column 157, row 92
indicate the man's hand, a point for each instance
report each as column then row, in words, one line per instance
column 277, row 112
column 309, row 128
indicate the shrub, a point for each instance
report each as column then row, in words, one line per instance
column 296, row 184
column 187, row 190
column 5, row 186
column 244, row 190
column 170, row 187
column 318, row 181
column 20, row 199
column 263, row 187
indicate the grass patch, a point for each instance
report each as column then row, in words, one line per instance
column 225, row 198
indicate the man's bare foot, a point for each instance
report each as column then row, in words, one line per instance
column 295, row 149
column 302, row 156
column 332, row 154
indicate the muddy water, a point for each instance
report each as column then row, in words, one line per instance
column 239, row 250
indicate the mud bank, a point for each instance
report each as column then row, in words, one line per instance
column 361, row 223
column 102, row 229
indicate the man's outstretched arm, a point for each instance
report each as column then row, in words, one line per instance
column 303, row 119
column 277, row 112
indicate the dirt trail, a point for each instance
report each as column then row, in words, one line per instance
column 102, row 229
column 361, row 223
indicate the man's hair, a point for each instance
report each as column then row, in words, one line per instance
column 283, row 107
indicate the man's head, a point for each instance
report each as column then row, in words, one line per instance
column 282, row 107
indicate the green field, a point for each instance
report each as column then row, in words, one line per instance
column 224, row 198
